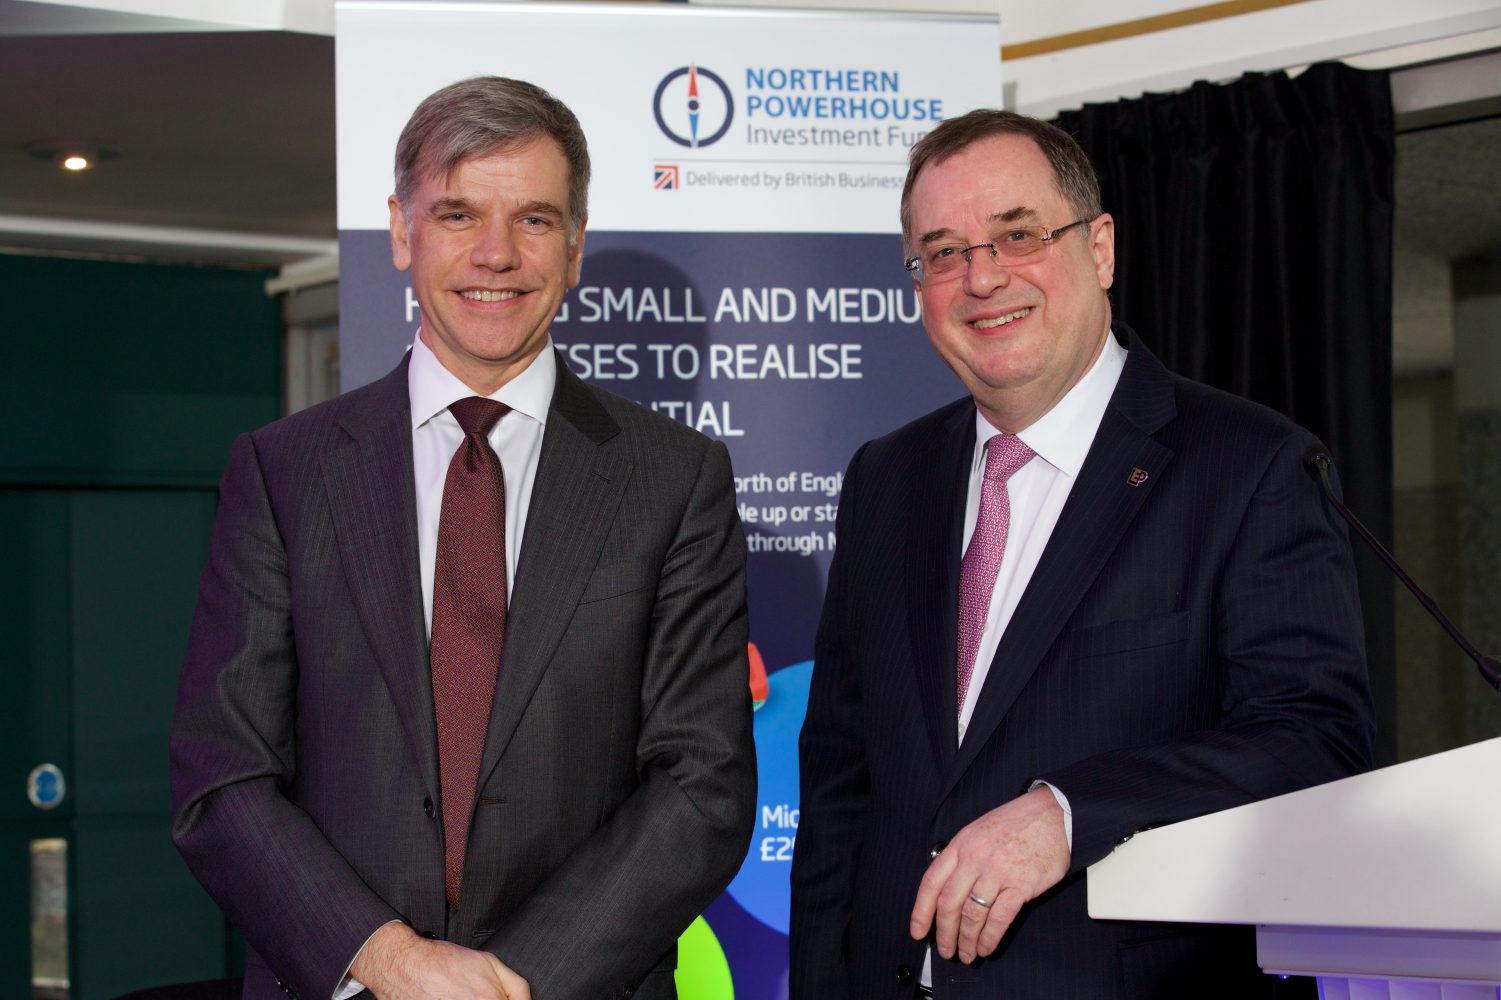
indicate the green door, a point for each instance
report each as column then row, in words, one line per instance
column 122, row 387
column 98, row 597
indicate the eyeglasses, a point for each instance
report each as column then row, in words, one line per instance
column 1013, row 246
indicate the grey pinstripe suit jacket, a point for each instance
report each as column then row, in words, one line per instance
column 618, row 781
column 1190, row 641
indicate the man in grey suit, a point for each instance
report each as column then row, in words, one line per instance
column 1087, row 598
column 464, row 710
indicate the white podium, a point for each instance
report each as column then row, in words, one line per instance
column 1387, row 884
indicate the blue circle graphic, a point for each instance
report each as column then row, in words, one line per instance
column 762, row 886
column 692, row 140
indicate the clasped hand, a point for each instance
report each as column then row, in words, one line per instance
column 397, row 964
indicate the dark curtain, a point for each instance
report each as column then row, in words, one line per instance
column 1254, row 253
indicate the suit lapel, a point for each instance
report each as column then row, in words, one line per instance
column 932, row 576
column 1107, row 496
column 580, row 481
column 373, row 506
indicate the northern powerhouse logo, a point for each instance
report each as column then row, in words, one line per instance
column 693, row 106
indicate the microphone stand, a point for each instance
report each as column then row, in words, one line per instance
column 1316, row 460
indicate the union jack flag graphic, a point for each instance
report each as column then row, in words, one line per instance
column 666, row 177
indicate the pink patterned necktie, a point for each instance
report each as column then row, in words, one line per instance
column 469, row 620
column 1004, row 454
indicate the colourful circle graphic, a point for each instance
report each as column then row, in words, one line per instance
column 703, row 971
column 762, row 887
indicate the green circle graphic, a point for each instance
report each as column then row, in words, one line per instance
column 703, row 972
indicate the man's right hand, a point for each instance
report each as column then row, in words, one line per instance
column 398, row 964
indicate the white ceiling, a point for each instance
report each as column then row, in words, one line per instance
column 229, row 135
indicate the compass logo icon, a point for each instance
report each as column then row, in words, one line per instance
column 693, row 106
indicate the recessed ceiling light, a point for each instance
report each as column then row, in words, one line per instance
column 73, row 155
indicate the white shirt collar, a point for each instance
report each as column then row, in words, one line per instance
column 1062, row 435
column 431, row 387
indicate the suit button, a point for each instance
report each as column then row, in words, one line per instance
column 937, row 849
column 427, row 807
column 904, row 974
column 429, row 935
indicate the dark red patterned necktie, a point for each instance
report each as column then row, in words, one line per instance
column 469, row 620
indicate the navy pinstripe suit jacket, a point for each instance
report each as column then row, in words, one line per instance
column 1189, row 642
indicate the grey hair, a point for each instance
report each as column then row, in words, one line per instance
column 1073, row 174
column 483, row 114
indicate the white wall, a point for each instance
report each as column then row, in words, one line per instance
column 1278, row 38
column 71, row 17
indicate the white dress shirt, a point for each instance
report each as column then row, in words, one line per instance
column 1060, row 438
column 436, row 436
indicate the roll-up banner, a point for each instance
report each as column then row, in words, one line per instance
column 742, row 274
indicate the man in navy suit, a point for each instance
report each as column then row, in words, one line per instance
column 1089, row 598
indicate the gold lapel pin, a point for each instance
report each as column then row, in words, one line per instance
column 1137, row 477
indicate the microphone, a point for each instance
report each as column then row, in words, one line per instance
column 1316, row 460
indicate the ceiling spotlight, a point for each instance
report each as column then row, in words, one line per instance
column 73, row 155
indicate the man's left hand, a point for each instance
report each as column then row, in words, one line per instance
column 1004, row 859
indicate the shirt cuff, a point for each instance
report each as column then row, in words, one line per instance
column 348, row 985
column 1068, row 815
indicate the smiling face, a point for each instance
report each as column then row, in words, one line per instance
column 1021, row 335
column 490, row 255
